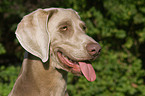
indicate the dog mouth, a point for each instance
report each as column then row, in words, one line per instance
column 77, row 67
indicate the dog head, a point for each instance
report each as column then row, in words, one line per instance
column 61, row 32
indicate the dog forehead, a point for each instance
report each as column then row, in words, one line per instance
column 63, row 11
column 66, row 13
column 63, row 15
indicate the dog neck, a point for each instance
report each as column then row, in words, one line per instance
column 43, row 77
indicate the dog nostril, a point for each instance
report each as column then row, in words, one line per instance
column 93, row 49
column 99, row 50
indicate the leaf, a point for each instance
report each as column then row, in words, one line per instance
column 141, row 35
column 120, row 34
column 139, row 18
column 129, row 42
column 2, row 49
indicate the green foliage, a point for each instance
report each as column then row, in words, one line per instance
column 2, row 49
column 119, row 26
column 8, row 77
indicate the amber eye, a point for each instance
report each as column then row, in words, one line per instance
column 64, row 28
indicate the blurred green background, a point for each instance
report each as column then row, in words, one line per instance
column 119, row 27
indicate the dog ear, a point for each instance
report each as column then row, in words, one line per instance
column 33, row 35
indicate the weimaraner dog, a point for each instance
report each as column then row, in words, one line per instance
column 55, row 44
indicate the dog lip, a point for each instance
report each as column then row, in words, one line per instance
column 69, row 65
column 72, row 58
column 65, row 58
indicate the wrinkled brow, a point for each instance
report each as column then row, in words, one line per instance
column 65, row 22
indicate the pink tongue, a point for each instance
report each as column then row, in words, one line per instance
column 88, row 71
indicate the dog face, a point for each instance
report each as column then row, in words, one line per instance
column 63, row 32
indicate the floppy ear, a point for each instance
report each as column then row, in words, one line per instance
column 33, row 35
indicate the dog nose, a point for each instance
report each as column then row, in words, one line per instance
column 93, row 49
